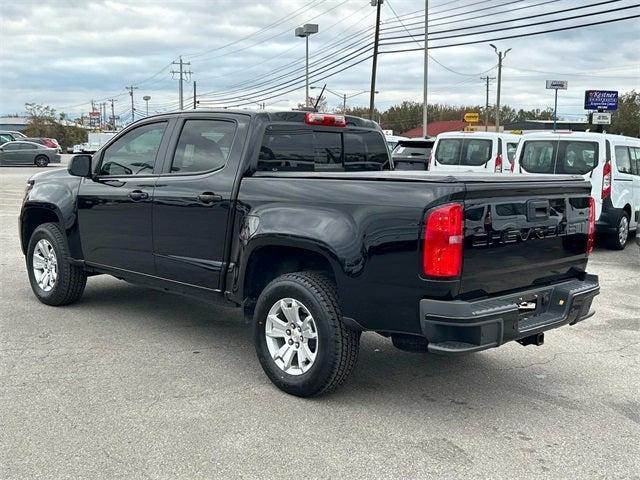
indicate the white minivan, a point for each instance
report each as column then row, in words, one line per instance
column 610, row 162
column 473, row 152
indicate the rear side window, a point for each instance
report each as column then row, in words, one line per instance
column 307, row 150
column 204, row 145
column 567, row 157
column 463, row 151
column 623, row 160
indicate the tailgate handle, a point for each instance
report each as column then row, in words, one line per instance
column 537, row 210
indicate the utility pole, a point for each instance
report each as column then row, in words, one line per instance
column 133, row 110
column 425, row 115
column 194, row 95
column 486, row 108
column 501, row 57
column 182, row 73
column 376, row 41
column 113, row 114
column 103, row 115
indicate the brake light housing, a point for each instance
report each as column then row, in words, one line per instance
column 591, row 228
column 325, row 119
column 606, row 180
column 498, row 167
column 443, row 240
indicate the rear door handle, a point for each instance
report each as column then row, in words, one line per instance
column 137, row 195
column 209, row 197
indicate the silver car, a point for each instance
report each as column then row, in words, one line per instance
column 27, row 153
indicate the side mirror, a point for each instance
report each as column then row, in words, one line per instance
column 80, row 166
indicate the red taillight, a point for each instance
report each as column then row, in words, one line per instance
column 443, row 241
column 606, row 180
column 498, row 167
column 591, row 228
column 325, row 119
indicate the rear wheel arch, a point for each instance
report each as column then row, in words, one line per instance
column 268, row 262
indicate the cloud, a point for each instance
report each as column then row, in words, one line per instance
column 66, row 53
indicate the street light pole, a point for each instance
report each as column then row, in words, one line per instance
column 501, row 57
column 374, row 66
column 146, row 98
column 426, row 69
column 306, row 31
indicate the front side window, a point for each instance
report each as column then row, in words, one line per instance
column 538, row 157
column 135, row 152
column 5, row 138
column 12, row 146
column 623, row 160
column 203, row 146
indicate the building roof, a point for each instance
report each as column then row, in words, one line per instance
column 14, row 120
column 434, row 128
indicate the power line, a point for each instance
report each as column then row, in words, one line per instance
column 544, row 22
column 521, row 35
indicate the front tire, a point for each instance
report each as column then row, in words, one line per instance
column 618, row 240
column 54, row 280
column 302, row 343
column 41, row 161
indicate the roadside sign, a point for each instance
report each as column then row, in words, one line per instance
column 599, row 118
column 472, row 117
column 600, row 100
column 557, row 84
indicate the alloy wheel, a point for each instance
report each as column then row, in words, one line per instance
column 45, row 265
column 291, row 336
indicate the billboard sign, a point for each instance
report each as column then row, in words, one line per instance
column 557, row 84
column 600, row 100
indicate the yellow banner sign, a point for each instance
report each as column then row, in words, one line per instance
column 471, row 117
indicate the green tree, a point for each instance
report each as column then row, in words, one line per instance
column 43, row 122
column 626, row 119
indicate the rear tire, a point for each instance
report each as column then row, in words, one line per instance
column 41, row 161
column 48, row 254
column 618, row 240
column 303, row 366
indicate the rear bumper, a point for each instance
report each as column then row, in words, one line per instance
column 608, row 220
column 457, row 327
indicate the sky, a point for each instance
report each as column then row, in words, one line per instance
column 242, row 53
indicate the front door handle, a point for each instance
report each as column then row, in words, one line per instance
column 209, row 197
column 137, row 195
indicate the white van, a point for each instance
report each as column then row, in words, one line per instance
column 474, row 152
column 610, row 162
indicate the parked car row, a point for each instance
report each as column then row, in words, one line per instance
column 610, row 162
column 18, row 149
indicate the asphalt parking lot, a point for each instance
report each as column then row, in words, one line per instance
column 134, row 383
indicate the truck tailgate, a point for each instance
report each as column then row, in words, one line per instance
column 523, row 233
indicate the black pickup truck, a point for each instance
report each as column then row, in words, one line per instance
column 297, row 218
